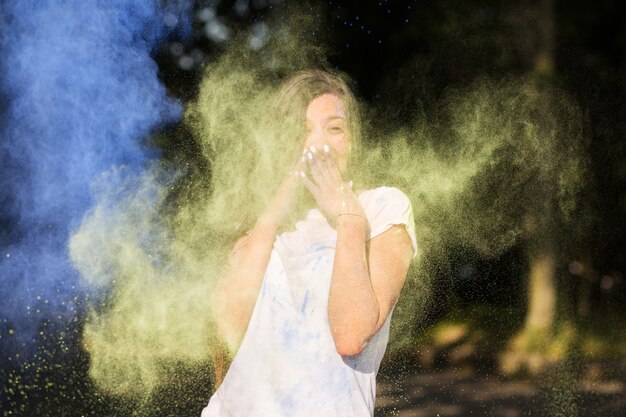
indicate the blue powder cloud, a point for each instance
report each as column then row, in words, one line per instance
column 79, row 94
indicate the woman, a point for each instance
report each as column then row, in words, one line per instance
column 309, row 308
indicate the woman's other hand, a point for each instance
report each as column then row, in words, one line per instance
column 284, row 199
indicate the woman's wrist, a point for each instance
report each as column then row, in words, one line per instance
column 352, row 220
column 351, row 214
column 267, row 222
column 348, row 201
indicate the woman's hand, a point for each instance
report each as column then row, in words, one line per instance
column 284, row 199
column 333, row 196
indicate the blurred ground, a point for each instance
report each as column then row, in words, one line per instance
column 599, row 392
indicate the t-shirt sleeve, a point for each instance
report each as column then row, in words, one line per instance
column 388, row 207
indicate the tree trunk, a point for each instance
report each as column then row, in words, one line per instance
column 541, row 292
column 541, row 280
column 527, row 349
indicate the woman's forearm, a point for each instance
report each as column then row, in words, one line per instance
column 353, row 309
column 237, row 289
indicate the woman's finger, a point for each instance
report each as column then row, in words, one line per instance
column 315, row 167
column 331, row 167
column 310, row 185
column 324, row 168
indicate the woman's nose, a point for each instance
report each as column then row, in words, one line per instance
column 317, row 139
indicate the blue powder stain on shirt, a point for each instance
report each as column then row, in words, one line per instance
column 287, row 402
column 318, row 247
column 288, row 334
column 316, row 263
column 304, row 303
column 311, row 337
column 324, row 245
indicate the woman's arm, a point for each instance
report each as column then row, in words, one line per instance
column 237, row 288
column 366, row 281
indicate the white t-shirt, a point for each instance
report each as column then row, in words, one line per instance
column 287, row 364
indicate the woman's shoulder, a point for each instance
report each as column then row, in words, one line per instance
column 383, row 195
column 388, row 206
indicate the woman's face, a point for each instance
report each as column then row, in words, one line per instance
column 327, row 125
